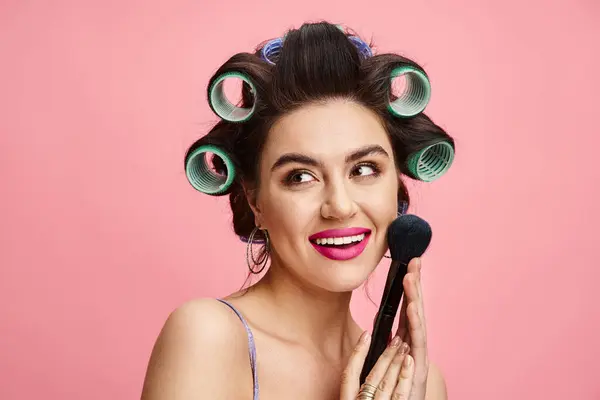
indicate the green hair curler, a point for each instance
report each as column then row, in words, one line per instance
column 205, row 179
column 417, row 94
column 431, row 162
column 223, row 107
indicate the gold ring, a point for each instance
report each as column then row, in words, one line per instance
column 365, row 396
column 367, row 392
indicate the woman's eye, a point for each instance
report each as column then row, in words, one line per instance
column 299, row 177
column 365, row 170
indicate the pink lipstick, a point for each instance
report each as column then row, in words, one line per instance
column 341, row 244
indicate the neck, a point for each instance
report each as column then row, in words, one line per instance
column 312, row 317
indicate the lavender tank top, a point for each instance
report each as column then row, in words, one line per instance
column 251, row 347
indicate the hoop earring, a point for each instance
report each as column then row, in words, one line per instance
column 264, row 253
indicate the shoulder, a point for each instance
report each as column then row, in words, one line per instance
column 202, row 322
column 199, row 341
column 436, row 384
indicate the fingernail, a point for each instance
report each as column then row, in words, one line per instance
column 404, row 348
column 366, row 337
column 395, row 342
column 407, row 361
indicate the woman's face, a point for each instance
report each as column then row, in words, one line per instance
column 328, row 191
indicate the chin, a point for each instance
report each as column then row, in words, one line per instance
column 345, row 276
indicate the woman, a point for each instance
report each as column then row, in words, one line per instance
column 312, row 162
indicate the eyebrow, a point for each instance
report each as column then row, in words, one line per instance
column 290, row 158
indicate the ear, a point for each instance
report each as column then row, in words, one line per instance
column 252, row 199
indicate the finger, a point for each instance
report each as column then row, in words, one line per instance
column 389, row 381
column 351, row 374
column 414, row 264
column 418, row 337
column 419, row 268
column 410, row 296
column 405, row 380
column 381, row 366
column 419, row 284
column 402, row 321
column 412, row 292
column 417, row 333
column 418, row 341
column 414, row 270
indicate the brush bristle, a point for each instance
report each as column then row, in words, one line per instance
column 408, row 237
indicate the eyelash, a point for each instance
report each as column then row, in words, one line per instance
column 376, row 172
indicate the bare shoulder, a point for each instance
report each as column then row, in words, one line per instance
column 436, row 384
column 202, row 348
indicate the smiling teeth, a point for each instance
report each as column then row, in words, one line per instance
column 341, row 240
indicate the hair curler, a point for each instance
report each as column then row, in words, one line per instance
column 221, row 106
column 416, row 96
column 432, row 162
column 271, row 50
column 204, row 178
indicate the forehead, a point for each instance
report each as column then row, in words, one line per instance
column 326, row 131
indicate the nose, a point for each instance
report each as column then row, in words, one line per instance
column 338, row 203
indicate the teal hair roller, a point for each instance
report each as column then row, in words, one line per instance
column 204, row 178
column 224, row 108
column 431, row 162
column 416, row 96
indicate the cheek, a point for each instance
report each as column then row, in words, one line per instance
column 382, row 209
column 289, row 214
column 381, row 200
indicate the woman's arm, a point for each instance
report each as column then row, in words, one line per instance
column 199, row 352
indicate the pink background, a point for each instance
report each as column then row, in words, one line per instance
column 102, row 236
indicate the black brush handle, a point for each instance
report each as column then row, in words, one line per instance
column 379, row 342
column 385, row 318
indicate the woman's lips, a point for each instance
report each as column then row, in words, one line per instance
column 333, row 233
column 341, row 252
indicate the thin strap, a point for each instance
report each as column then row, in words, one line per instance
column 251, row 347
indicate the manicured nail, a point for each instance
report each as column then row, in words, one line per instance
column 395, row 342
column 404, row 348
column 407, row 361
column 366, row 337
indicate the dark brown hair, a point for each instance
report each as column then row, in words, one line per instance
column 317, row 62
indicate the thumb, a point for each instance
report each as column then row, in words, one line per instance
column 351, row 374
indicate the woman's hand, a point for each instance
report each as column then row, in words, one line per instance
column 412, row 328
column 390, row 378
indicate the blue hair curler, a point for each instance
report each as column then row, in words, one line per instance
column 205, row 179
column 362, row 47
column 271, row 50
